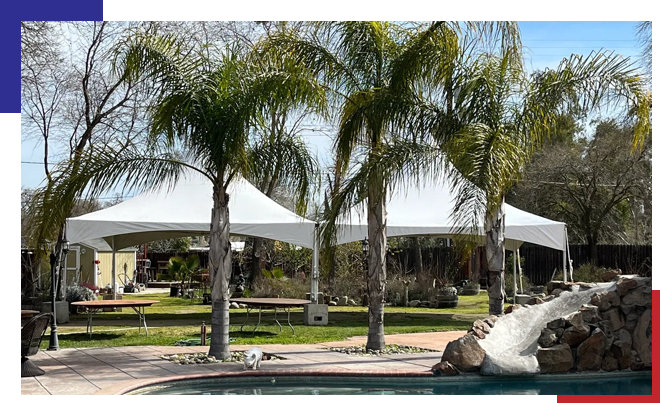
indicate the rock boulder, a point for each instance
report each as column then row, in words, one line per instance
column 590, row 313
column 615, row 318
column 465, row 354
column 557, row 324
column 590, row 352
column 575, row 335
column 609, row 364
column 610, row 275
column 606, row 300
column 557, row 358
column 623, row 354
column 445, row 368
column 641, row 338
column 481, row 325
column 512, row 308
column 548, row 338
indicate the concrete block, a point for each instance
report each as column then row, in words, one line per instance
column 521, row 299
column 119, row 296
column 315, row 314
column 61, row 308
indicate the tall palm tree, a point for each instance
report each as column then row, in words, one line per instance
column 502, row 114
column 206, row 108
column 371, row 69
column 280, row 158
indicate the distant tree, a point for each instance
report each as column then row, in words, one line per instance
column 595, row 184
column 170, row 245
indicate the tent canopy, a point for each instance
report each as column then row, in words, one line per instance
column 185, row 210
column 427, row 212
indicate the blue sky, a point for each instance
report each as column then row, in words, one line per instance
column 546, row 44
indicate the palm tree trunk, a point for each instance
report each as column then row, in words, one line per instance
column 255, row 261
column 220, row 272
column 494, row 224
column 376, row 272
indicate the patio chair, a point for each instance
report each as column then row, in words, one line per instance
column 31, row 335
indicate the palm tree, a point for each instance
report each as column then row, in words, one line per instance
column 371, row 70
column 281, row 160
column 503, row 115
column 206, row 108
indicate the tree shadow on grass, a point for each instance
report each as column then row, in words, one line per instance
column 249, row 335
column 81, row 337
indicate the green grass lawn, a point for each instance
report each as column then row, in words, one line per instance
column 174, row 319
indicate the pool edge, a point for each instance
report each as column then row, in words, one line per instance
column 125, row 387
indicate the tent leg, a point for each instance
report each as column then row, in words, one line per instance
column 114, row 271
column 568, row 255
column 314, row 292
column 520, row 272
column 563, row 257
column 515, row 284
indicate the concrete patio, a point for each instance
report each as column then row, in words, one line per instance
column 112, row 370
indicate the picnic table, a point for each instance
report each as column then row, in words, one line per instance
column 28, row 313
column 138, row 305
column 270, row 303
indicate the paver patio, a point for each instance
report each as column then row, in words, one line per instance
column 109, row 370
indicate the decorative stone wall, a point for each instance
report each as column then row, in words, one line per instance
column 611, row 333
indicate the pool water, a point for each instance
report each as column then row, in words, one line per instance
column 638, row 383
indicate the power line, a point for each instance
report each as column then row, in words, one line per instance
column 37, row 162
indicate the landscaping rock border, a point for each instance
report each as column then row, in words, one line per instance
column 389, row 349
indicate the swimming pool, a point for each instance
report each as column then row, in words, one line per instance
column 624, row 383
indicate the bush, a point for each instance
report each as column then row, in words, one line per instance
column 75, row 293
column 279, row 287
column 586, row 273
column 508, row 283
column 351, row 283
column 424, row 287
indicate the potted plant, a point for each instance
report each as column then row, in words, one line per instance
column 471, row 288
column 447, row 296
column 182, row 270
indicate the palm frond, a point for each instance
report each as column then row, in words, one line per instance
column 400, row 164
column 101, row 171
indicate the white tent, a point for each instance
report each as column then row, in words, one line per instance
column 427, row 211
column 185, row 210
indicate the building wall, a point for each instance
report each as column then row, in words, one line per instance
column 87, row 265
column 125, row 263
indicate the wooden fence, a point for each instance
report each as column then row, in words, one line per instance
column 539, row 262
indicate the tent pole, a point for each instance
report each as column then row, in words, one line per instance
column 315, row 268
column 520, row 272
column 515, row 284
column 563, row 256
column 568, row 254
column 114, row 271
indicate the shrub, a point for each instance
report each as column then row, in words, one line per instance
column 75, row 293
column 351, row 283
column 508, row 283
column 279, row 287
column 586, row 273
